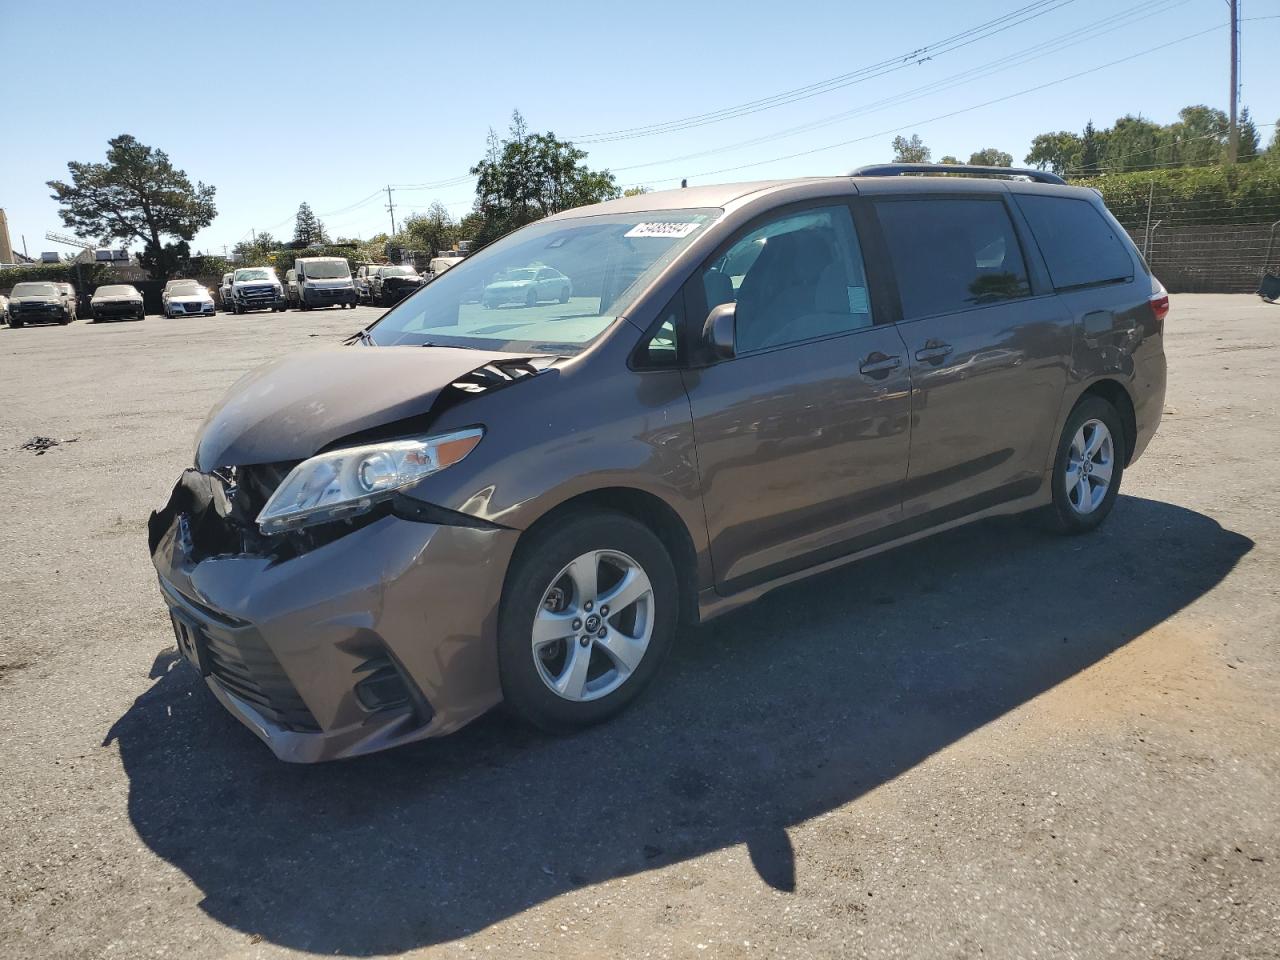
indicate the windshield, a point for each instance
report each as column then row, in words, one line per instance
column 34, row 290
column 185, row 288
column 592, row 266
column 117, row 290
column 399, row 272
column 326, row 269
column 254, row 273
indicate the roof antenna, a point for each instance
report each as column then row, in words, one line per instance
column 683, row 184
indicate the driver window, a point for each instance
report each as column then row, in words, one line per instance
column 798, row 277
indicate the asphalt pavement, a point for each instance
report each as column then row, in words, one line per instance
column 996, row 742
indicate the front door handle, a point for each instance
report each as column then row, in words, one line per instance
column 934, row 352
column 878, row 364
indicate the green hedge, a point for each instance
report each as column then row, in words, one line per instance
column 65, row 272
column 1246, row 193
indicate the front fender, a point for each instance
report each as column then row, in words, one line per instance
column 568, row 431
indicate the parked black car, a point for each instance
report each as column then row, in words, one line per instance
column 38, row 303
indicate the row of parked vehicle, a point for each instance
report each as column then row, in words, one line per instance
column 311, row 283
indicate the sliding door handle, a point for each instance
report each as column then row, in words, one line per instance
column 933, row 352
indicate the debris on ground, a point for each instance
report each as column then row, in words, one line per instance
column 41, row 444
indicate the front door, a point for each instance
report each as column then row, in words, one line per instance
column 802, row 437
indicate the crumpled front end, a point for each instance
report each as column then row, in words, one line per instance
column 337, row 640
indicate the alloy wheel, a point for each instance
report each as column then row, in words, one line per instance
column 1090, row 463
column 593, row 625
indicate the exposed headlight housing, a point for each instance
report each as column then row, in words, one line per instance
column 348, row 482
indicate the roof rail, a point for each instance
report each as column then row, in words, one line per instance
column 898, row 169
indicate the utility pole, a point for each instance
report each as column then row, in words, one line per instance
column 391, row 208
column 253, row 233
column 1233, row 147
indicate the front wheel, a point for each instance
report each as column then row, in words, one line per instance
column 588, row 614
column 1088, row 466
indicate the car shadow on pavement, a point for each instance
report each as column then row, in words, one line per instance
column 762, row 719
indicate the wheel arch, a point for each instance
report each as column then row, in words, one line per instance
column 1116, row 394
column 651, row 511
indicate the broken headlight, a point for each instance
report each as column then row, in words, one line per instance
column 347, row 482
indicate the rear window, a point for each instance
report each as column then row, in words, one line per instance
column 1080, row 248
column 952, row 254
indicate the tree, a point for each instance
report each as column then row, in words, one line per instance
column 307, row 228
column 635, row 191
column 136, row 195
column 910, row 151
column 1056, row 151
column 950, row 159
column 991, row 157
column 256, row 250
column 1250, row 142
column 1132, row 143
column 533, row 175
column 1086, row 161
column 430, row 232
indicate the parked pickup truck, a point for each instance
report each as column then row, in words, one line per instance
column 390, row 284
column 256, row 288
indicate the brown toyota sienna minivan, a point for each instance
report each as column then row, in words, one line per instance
column 517, row 483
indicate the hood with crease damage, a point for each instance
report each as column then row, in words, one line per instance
column 293, row 407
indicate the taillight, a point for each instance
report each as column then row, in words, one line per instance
column 1159, row 303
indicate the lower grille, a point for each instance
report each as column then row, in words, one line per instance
column 245, row 666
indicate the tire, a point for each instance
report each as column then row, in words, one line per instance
column 16, row 324
column 238, row 308
column 564, row 295
column 532, row 299
column 1066, row 513
column 538, row 576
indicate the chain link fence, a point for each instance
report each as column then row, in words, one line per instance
column 1204, row 246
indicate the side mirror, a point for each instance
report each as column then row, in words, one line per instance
column 718, row 331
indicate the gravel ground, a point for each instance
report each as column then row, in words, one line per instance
column 995, row 742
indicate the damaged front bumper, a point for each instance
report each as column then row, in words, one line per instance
column 380, row 636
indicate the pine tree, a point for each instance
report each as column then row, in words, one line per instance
column 307, row 228
column 1250, row 142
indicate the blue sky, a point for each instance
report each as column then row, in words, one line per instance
column 277, row 103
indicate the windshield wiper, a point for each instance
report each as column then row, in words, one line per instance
column 360, row 336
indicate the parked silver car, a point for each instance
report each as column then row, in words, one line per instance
column 182, row 298
column 528, row 286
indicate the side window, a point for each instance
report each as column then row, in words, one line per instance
column 950, row 254
column 795, row 278
column 662, row 348
column 1079, row 246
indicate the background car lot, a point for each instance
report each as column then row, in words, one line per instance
column 916, row 755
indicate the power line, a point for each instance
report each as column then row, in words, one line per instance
column 953, row 113
column 1028, row 55
column 901, row 61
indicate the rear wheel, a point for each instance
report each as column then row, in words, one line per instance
column 588, row 614
column 531, row 300
column 564, row 294
column 1088, row 467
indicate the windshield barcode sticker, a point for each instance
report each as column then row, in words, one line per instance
column 672, row 231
